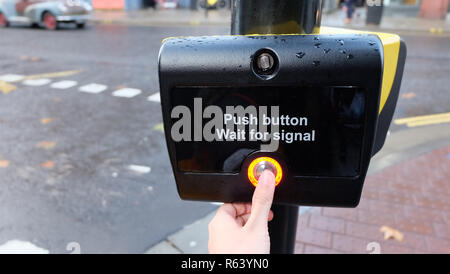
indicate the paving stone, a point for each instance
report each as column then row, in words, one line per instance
column 327, row 223
column 438, row 245
column 412, row 197
column 310, row 249
column 315, row 237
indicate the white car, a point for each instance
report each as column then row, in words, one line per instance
column 47, row 13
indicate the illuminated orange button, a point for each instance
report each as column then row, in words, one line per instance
column 257, row 166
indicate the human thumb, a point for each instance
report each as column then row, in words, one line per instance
column 262, row 201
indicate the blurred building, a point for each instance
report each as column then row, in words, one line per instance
column 142, row 4
column 435, row 9
column 122, row 4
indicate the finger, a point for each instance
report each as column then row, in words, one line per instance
column 243, row 219
column 262, row 200
column 228, row 210
column 234, row 210
column 270, row 216
column 242, row 208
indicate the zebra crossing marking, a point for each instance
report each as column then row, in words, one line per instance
column 155, row 98
column 66, row 84
column 11, row 78
column 127, row 92
column 36, row 82
column 93, row 88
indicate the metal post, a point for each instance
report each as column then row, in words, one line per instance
column 283, row 229
column 278, row 17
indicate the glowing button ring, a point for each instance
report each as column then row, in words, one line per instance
column 257, row 166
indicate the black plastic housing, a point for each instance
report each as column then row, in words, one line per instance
column 350, row 60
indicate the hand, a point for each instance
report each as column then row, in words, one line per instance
column 243, row 227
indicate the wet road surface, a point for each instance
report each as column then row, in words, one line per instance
column 83, row 160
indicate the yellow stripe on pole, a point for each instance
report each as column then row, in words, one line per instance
column 424, row 120
column 211, row 2
column 391, row 48
column 53, row 74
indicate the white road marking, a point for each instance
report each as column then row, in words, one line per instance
column 64, row 84
column 127, row 92
column 21, row 247
column 93, row 88
column 37, row 82
column 140, row 169
column 155, row 98
column 11, row 78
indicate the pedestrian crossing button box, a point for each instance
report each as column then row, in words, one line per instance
column 313, row 109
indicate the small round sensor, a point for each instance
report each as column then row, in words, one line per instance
column 265, row 64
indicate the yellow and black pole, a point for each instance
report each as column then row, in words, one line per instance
column 276, row 17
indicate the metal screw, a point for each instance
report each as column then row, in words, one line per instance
column 265, row 62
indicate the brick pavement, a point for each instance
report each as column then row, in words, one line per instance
column 412, row 197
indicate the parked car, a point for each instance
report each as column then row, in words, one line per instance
column 47, row 13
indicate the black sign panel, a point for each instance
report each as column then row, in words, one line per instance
column 321, row 94
column 319, row 130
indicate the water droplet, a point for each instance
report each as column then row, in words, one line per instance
column 340, row 42
column 300, row 54
column 316, row 63
column 317, row 45
column 326, row 51
column 283, row 40
column 316, row 38
column 376, row 50
column 350, row 56
column 371, row 43
column 343, row 51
